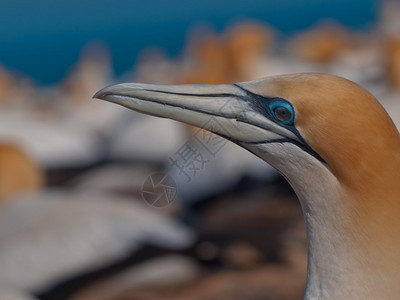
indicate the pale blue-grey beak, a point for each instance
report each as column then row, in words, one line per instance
column 226, row 109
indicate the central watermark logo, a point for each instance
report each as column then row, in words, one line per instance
column 159, row 190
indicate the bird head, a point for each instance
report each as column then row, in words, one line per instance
column 291, row 121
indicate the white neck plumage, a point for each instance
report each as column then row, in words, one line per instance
column 337, row 268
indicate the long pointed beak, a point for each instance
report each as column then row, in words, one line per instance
column 222, row 109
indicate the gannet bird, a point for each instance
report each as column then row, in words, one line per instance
column 336, row 146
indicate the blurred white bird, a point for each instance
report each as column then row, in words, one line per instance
column 48, row 237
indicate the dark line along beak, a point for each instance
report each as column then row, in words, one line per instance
column 223, row 109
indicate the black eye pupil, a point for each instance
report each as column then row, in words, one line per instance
column 282, row 113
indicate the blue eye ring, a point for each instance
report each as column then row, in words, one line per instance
column 282, row 112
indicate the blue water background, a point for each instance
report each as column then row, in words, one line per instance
column 43, row 39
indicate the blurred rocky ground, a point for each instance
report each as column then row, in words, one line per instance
column 73, row 223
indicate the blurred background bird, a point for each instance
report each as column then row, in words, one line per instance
column 72, row 169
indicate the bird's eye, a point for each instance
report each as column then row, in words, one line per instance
column 283, row 112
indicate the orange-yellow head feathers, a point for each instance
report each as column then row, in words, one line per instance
column 342, row 122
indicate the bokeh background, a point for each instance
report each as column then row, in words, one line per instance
column 80, row 216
